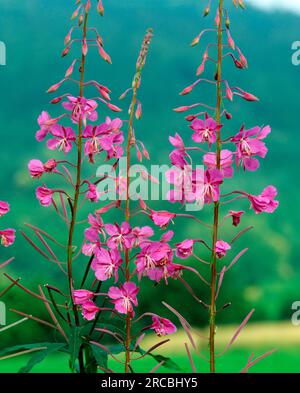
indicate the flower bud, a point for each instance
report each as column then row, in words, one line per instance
column 229, row 93
column 104, row 55
column 80, row 20
column 195, row 41
column 206, row 11
column 200, row 69
column 100, row 8
column 230, row 40
column 70, row 70
column 53, row 88
column 88, row 6
column 84, row 47
column 68, row 37
column 181, row 109
column 228, row 115
column 75, row 13
column 114, row 108
column 187, row 90
column 138, row 112
column 249, row 97
column 66, row 51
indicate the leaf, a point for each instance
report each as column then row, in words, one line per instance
column 168, row 362
column 17, row 348
column 74, row 344
column 100, row 355
column 40, row 356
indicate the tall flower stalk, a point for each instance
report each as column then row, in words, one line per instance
column 212, row 316
column 134, row 110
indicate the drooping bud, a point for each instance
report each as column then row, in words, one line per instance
column 123, row 95
column 187, row 90
column 100, row 8
column 68, row 36
column 53, row 88
column 181, row 109
column 227, row 22
column 56, row 100
column 249, row 97
column 230, row 40
column 114, row 108
column 190, row 117
column 104, row 91
column 195, row 41
column 241, row 4
column 76, row 12
column 229, row 93
column 200, row 69
column 70, row 70
column 104, row 55
column 206, row 11
column 228, row 115
column 66, row 51
column 145, row 151
column 243, row 59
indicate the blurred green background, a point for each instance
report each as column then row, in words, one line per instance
column 267, row 277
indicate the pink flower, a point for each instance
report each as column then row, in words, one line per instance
column 89, row 310
column 92, row 242
column 4, row 208
column 124, row 297
column 7, row 237
column 155, row 261
column 141, row 235
column 178, row 158
column 161, row 218
column 36, row 168
column 221, row 248
column 45, row 122
column 205, row 130
column 210, row 161
column 81, row 296
column 249, row 143
column 162, row 326
column 184, row 249
column 63, row 138
column 212, row 180
column 106, row 264
column 265, row 201
column 120, row 236
column 93, row 134
column 81, row 108
column 92, row 193
column 96, row 227
column 44, row 195
column 236, row 216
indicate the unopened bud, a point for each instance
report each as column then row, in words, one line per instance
column 195, row 41
column 227, row 22
column 68, row 37
column 75, row 13
column 241, row 4
column 53, row 88
column 114, row 108
column 66, row 51
column 84, row 47
column 70, row 70
column 80, row 20
column 56, row 100
column 104, row 55
column 190, row 117
column 187, row 90
column 229, row 93
column 249, row 97
column 206, row 11
column 100, row 8
column 230, row 40
column 181, row 109
column 217, row 18
column 228, row 115
column 200, row 69
column 138, row 112
column 243, row 59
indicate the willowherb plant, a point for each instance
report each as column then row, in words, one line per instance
column 94, row 324
column 203, row 185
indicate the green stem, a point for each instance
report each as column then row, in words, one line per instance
column 212, row 312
